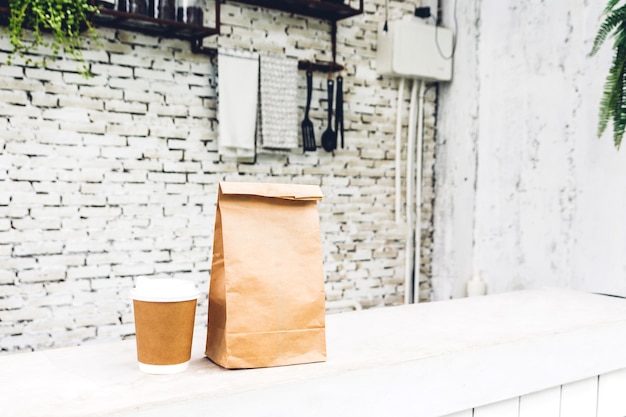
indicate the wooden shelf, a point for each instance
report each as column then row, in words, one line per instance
column 145, row 24
column 321, row 9
column 331, row 10
column 155, row 27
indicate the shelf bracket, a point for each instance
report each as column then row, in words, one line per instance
column 319, row 66
column 333, row 40
column 325, row 66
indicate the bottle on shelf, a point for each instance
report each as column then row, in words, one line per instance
column 124, row 5
column 190, row 12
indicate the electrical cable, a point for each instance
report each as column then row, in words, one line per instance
column 386, row 26
column 454, row 37
column 424, row 13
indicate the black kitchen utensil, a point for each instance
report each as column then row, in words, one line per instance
column 308, row 134
column 339, row 129
column 329, row 137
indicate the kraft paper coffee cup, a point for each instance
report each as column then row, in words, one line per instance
column 165, row 311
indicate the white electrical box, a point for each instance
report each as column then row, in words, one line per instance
column 413, row 49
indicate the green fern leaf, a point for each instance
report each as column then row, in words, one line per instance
column 612, row 90
column 610, row 5
column 619, row 113
column 613, row 101
column 612, row 20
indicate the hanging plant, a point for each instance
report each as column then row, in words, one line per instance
column 613, row 102
column 55, row 24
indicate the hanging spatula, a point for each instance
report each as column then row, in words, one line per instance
column 308, row 134
column 329, row 137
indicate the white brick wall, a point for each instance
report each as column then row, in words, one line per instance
column 107, row 179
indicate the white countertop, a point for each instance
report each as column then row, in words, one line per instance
column 417, row 360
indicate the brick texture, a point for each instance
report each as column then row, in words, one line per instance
column 115, row 177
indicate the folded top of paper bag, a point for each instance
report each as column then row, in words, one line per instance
column 284, row 191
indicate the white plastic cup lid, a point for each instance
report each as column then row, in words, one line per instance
column 164, row 290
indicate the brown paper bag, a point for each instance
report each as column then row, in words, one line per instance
column 266, row 297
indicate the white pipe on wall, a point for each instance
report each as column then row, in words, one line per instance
column 399, row 149
column 410, row 175
column 418, row 192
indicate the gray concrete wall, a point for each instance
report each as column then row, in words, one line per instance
column 526, row 193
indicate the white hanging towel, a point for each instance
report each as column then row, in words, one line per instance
column 238, row 86
column 278, row 103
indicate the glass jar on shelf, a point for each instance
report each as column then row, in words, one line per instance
column 106, row 4
column 134, row 6
column 164, row 9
